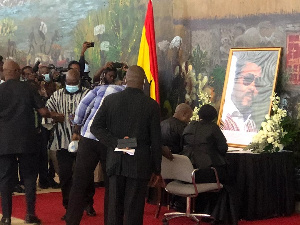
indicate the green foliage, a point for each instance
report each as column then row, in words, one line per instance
column 199, row 60
column 123, row 30
column 283, row 78
column 292, row 126
column 217, row 79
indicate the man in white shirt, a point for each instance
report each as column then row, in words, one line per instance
column 237, row 114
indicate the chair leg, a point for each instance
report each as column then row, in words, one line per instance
column 193, row 205
column 188, row 205
column 159, row 200
column 168, row 200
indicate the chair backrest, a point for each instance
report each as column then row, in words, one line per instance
column 180, row 168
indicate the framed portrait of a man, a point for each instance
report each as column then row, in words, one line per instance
column 249, row 83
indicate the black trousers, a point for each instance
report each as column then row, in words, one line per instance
column 43, row 138
column 126, row 200
column 66, row 162
column 8, row 170
column 207, row 175
column 88, row 155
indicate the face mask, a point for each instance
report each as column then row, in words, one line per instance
column 2, row 81
column 47, row 77
column 71, row 88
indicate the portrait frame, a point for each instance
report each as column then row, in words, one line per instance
column 250, row 81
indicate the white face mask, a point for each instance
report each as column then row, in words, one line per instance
column 2, row 81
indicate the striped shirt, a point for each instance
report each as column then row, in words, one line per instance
column 233, row 120
column 63, row 102
column 89, row 106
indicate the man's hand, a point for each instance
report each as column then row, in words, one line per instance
column 85, row 46
column 75, row 137
column 108, row 65
column 57, row 117
column 156, row 180
column 55, row 75
column 166, row 152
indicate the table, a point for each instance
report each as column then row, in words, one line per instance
column 264, row 184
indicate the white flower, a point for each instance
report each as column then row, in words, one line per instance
column 270, row 139
column 271, row 131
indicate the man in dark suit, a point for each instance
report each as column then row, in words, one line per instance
column 132, row 114
column 18, row 139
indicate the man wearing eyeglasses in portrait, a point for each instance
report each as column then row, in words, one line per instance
column 238, row 115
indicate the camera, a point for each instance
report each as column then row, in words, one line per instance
column 117, row 65
column 91, row 44
column 58, row 73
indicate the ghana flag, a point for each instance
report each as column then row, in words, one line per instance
column 147, row 54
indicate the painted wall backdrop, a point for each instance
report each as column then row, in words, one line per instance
column 193, row 39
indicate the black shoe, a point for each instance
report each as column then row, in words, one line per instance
column 43, row 186
column 5, row 221
column 90, row 211
column 19, row 189
column 54, row 184
column 63, row 217
column 32, row 219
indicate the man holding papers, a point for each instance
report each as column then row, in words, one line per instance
column 131, row 114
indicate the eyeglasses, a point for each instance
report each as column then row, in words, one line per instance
column 249, row 78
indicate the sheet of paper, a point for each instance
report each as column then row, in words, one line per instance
column 128, row 151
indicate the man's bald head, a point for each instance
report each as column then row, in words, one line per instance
column 11, row 70
column 135, row 77
column 73, row 77
column 183, row 112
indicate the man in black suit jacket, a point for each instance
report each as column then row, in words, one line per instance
column 18, row 139
column 132, row 114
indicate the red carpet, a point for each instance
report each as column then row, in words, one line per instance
column 49, row 208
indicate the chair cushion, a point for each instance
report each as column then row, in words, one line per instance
column 185, row 189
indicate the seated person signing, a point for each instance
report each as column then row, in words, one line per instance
column 206, row 146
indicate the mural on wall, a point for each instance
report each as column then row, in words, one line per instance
column 192, row 42
column 53, row 31
column 209, row 37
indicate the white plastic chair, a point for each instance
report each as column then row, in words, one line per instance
column 182, row 172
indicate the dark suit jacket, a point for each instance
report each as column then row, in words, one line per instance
column 130, row 113
column 205, row 144
column 17, row 119
column 171, row 133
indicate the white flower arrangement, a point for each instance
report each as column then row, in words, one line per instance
column 203, row 97
column 272, row 134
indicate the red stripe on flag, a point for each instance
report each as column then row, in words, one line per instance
column 150, row 36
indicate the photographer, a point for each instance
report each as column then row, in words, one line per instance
column 109, row 72
column 57, row 74
column 47, row 86
column 84, row 70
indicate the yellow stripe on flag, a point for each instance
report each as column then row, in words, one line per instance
column 147, row 54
